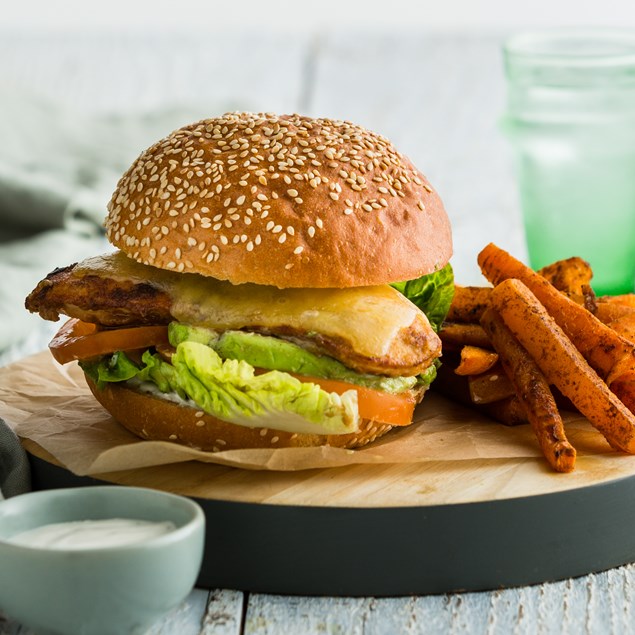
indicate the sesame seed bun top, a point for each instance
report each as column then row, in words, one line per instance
column 282, row 200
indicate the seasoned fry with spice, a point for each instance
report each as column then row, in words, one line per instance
column 475, row 360
column 509, row 411
column 609, row 354
column 627, row 299
column 532, row 389
column 490, row 386
column 455, row 336
column 572, row 277
column 625, row 326
column 562, row 364
column 608, row 312
column 468, row 303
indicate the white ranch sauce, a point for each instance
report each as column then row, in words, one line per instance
column 92, row 534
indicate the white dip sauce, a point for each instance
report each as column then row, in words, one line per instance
column 92, row 534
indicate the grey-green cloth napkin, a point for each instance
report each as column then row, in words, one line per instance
column 15, row 475
column 58, row 170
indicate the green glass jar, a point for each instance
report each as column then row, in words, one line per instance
column 571, row 120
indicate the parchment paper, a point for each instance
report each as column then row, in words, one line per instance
column 51, row 405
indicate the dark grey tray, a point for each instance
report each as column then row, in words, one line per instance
column 396, row 551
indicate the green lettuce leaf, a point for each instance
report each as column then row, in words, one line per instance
column 230, row 390
column 432, row 293
column 117, row 367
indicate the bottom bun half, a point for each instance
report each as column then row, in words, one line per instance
column 156, row 419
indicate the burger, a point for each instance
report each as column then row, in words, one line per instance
column 277, row 281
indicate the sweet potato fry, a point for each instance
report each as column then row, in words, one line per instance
column 608, row 312
column 609, row 354
column 533, row 392
column 572, row 277
column 509, row 412
column 468, row 303
column 455, row 336
column 625, row 326
column 475, row 360
column 562, row 363
column 628, row 299
column 490, row 386
column 624, row 387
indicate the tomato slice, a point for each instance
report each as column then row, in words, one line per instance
column 385, row 407
column 78, row 340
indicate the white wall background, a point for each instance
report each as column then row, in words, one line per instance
column 306, row 15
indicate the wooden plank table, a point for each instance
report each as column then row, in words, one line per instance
column 439, row 98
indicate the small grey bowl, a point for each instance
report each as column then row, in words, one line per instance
column 116, row 590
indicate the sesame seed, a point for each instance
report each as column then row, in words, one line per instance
column 298, row 250
column 292, row 193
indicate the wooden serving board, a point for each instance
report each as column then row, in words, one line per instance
column 374, row 485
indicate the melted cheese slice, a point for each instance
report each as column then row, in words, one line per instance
column 368, row 317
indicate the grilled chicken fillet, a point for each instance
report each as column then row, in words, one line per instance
column 369, row 329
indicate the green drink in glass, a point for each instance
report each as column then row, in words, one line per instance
column 571, row 120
